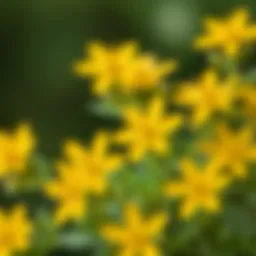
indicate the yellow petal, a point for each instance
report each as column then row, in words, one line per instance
column 167, row 68
column 175, row 189
column 102, row 86
column 123, row 137
column 187, row 209
column 212, row 24
column 97, row 185
column 246, row 135
column 189, row 169
column 132, row 115
column 127, row 251
column 156, row 108
column 240, row 170
column 5, row 252
column 74, row 150
column 232, row 49
column 70, row 210
column 222, row 131
column 63, row 169
column 240, row 17
column 209, row 77
column 113, row 234
column 100, row 145
column 201, row 115
column 96, row 49
column 171, row 123
column 132, row 216
column 83, row 68
column 252, row 154
column 251, row 33
column 157, row 223
column 151, row 250
column 203, row 42
column 212, row 204
column 161, row 146
column 113, row 163
column 53, row 189
column 128, row 51
column 136, row 152
column 187, row 95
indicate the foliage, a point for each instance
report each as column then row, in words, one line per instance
column 177, row 178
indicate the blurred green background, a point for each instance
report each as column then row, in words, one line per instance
column 40, row 39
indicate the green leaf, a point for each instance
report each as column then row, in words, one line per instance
column 105, row 109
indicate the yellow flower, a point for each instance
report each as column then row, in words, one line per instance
column 15, row 149
column 15, row 231
column 232, row 149
column 200, row 189
column 69, row 190
column 247, row 96
column 122, row 68
column 229, row 34
column 97, row 161
column 207, row 95
column 147, row 130
column 105, row 64
column 145, row 73
column 137, row 235
column 81, row 173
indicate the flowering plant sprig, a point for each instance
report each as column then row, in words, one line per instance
column 159, row 182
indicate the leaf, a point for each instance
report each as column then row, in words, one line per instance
column 250, row 76
column 105, row 109
column 37, row 173
column 45, row 234
column 239, row 222
column 75, row 240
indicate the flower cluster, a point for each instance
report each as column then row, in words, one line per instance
column 228, row 35
column 135, row 174
column 16, row 148
column 15, row 232
column 122, row 68
column 136, row 235
column 147, row 130
column 82, row 172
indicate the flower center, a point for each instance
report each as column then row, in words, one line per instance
column 13, row 158
column 235, row 152
column 149, row 132
column 138, row 239
column 6, row 238
column 95, row 169
column 235, row 35
column 201, row 190
column 113, row 66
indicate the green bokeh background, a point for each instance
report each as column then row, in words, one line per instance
column 40, row 39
